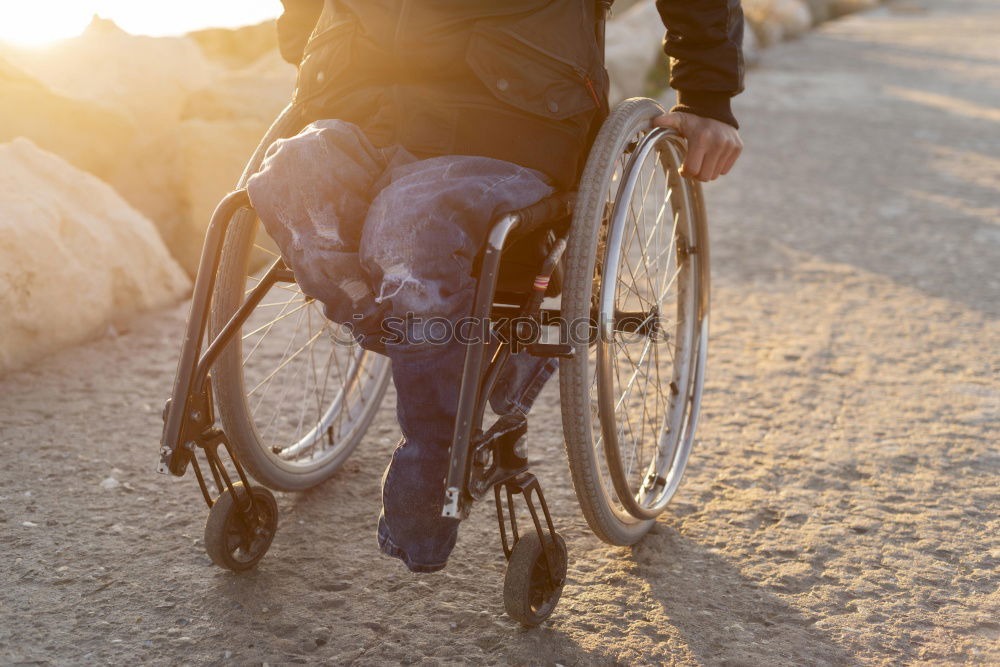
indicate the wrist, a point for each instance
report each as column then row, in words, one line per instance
column 707, row 104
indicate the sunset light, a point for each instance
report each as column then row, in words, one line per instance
column 39, row 23
column 506, row 332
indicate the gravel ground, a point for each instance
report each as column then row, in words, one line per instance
column 842, row 503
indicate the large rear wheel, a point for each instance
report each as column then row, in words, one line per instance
column 294, row 392
column 637, row 274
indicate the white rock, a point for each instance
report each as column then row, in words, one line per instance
column 109, row 483
column 259, row 91
column 74, row 256
column 633, row 42
column 146, row 77
column 140, row 165
column 820, row 10
column 29, row 524
column 775, row 20
column 236, row 47
column 211, row 157
column 177, row 176
column 86, row 134
column 117, row 102
column 841, row 7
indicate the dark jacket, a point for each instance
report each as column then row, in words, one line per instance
column 518, row 80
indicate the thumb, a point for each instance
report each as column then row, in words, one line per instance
column 672, row 120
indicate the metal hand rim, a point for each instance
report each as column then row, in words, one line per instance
column 693, row 387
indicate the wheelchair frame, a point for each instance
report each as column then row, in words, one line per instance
column 479, row 460
column 189, row 414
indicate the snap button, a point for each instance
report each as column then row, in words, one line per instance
column 553, row 107
column 502, row 84
column 320, row 76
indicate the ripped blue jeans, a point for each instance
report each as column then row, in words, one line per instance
column 373, row 234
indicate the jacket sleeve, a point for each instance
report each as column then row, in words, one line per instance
column 705, row 44
column 295, row 25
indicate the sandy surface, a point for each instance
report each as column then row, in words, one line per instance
column 841, row 506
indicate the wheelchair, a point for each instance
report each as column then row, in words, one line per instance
column 267, row 388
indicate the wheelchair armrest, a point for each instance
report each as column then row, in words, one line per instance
column 552, row 209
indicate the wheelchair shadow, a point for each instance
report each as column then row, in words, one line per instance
column 721, row 615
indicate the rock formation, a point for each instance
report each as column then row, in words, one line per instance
column 211, row 157
column 74, row 256
column 90, row 136
column 841, row 7
column 147, row 78
column 775, row 20
column 260, row 91
column 633, row 41
column 238, row 47
column 197, row 121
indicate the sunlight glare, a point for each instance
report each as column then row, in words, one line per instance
column 40, row 23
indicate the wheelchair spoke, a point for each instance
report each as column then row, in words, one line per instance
column 267, row 381
column 275, row 304
column 277, row 319
column 633, row 377
column 654, row 230
column 312, row 367
column 247, row 357
column 626, row 416
column 321, row 395
column 281, row 401
column 285, row 362
column 287, row 288
column 258, row 246
column 666, row 287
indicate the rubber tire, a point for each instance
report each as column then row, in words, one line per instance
column 216, row 528
column 227, row 375
column 522, row 577
column 611, row 526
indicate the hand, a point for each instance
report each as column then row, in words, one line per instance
column 713, row 146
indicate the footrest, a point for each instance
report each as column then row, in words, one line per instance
column 498, row 454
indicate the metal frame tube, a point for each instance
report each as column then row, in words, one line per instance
column 469, row 395
column 173, row 456
column 277, row 273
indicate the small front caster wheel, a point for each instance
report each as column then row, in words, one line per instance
column 529, row 594
column 237, row 536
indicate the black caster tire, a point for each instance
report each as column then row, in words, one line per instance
column 224, row 529
column 526, row 595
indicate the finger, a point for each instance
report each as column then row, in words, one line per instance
column 669, row 120
column 693, row 161
column 737, row 152
column 710, row 163
column 731, row 158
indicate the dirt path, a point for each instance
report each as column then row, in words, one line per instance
column 841, row 507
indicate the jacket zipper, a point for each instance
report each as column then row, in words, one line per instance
column 589, row 83
column 593, row 91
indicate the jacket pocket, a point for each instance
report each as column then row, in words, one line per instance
column 326, row 57
column 527, row 76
